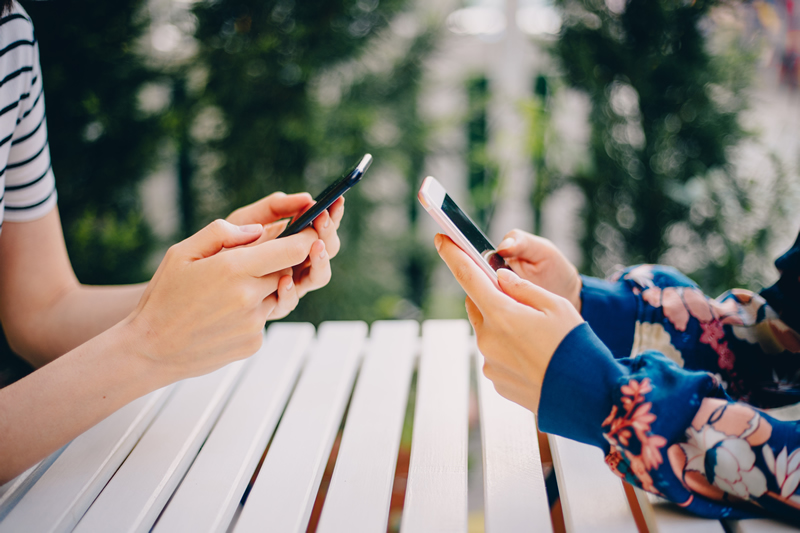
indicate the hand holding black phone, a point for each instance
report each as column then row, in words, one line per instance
column 324, row 200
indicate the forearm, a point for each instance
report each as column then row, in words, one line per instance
column 671, row 431
column 55, row 404
column 44, row 310
column 736, row 336
column 79, row 315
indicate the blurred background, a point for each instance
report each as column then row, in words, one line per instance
column 625, row 131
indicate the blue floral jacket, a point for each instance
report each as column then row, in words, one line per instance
column 668, row 383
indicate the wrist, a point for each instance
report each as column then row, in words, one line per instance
column 138, row 347
column 576, row 393
column 610, row 308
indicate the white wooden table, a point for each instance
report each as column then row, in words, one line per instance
column 181, row 458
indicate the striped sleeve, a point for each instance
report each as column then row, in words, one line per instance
column 30, row 190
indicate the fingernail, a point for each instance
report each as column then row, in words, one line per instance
column 323, row 252
column 327, row 221
column 506, row 275
column 507, row 243
column 437, row 241
column 289, row 286
column 251, row 228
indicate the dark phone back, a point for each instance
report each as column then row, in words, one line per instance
column 324, row 199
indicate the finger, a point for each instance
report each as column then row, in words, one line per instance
column 216, row 236
column 268, row 306
column 336, row 211
column 319, row 273
column 277, row 254
column 327, row 232
column 523, row 245
column 269, row 284
column 287, row 298
column 271, row 231
column 274, row 207
column 472, row 279
column 473, row 313
column 526, row 292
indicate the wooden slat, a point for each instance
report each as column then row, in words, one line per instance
column 13, row 491
column 284, row 492
column 61, row 496
column 361, row 486
column 662, row 516
column 207, row 498
column 592, row 497
column 514, row 494
column 137, row 493
column 436, row 493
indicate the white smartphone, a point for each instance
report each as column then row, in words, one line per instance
column 460, row 227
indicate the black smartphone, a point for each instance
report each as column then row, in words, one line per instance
column 324, row 199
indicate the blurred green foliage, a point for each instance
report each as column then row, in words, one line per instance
column 100, row 144
column 302, row 91
column 245, row 118
column 482, row 171
column 538, row 113
column 664, row 119
column 280, row 96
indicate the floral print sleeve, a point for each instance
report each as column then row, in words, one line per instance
column 664, row 380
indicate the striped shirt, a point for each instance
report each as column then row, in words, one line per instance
column 27, row 183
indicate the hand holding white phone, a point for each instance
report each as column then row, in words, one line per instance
column 459, row 227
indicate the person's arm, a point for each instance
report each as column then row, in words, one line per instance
column 668, row 430
column 203, row 309
column 671, row 432
column 45, row 312
column 738, row 337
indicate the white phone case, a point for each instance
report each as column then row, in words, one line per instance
column 431, row 195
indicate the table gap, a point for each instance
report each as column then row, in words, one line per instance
column 322, row 491
column 235, row 386
column 551, row 484
column 152, row 421
column 250, row 483
column 636, row 508
column 403, row 458
column 475, row 496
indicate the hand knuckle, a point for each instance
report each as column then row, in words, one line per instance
column 291, row 303
column 218, row 225
column 257, row 323
column 173, row 252
column 243, row 298
column 488, row 370
column 294, row 252
column 463, row 274
column 253, row 343
column 483, row 347
column 325, row 277
column 333, row 245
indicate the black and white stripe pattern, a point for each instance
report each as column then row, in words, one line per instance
column 26, row 174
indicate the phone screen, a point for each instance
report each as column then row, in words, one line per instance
column 474, row 235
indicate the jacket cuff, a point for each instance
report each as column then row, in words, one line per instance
column 577, row 389
column 610, row 308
